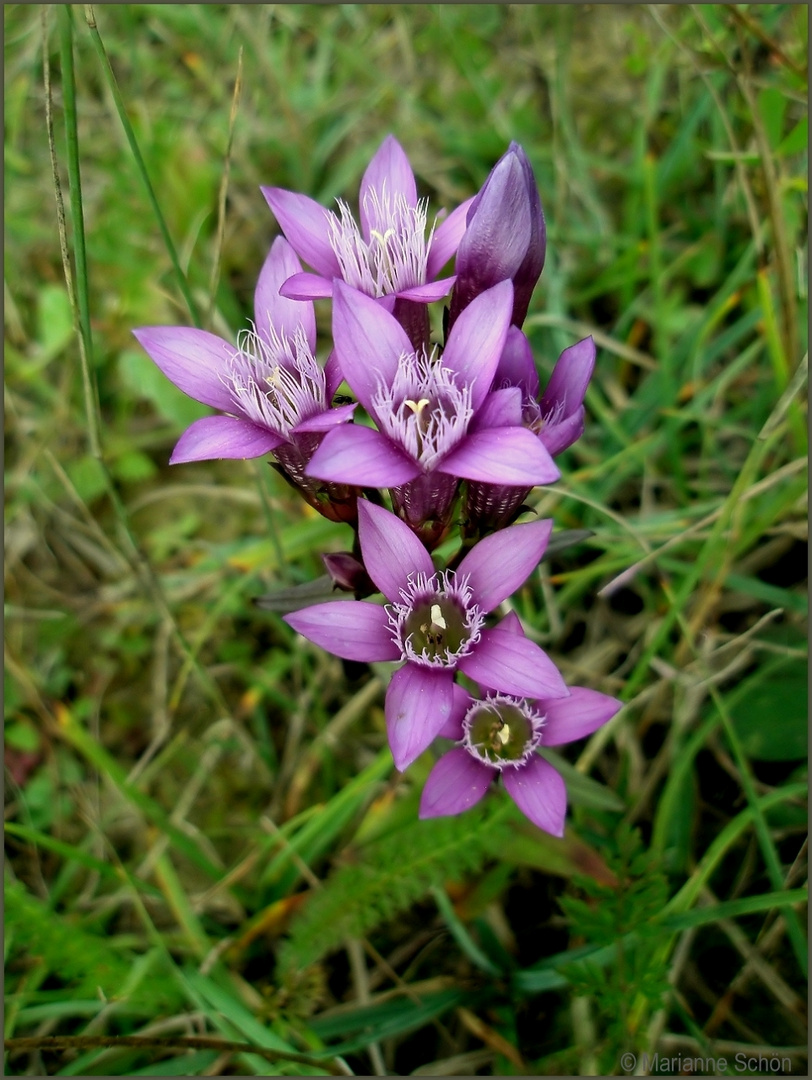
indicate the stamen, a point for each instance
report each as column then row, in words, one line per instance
column 395, row 256
column 424, row 410
column 502, row 731
column 275, row 381
column 437, row 617
column 437, row 622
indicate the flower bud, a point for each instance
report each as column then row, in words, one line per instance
column 505, row 237
column 347, row 572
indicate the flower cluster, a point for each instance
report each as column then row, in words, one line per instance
column 443, row 431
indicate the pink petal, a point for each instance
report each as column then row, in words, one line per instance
column 223, row 437
column 583, row 712
column 556, row 437
column 352, row 629
column 273, row 310
column 461, row 703
column 539, row 792
column 570, row 378
column 388, row 171
column 511, row 623
column 194, row 360
column 352, row 454
column 477, row 339
column 447, row 238
column 432, row 290
column 307, row 287
column 501, row 563
column 509, row 456
column 455, row 784
column 511, row 664
column 333, row 375
column 516, row 364
column 305, row 224
column 391, row 550
column 501, row 408
column 369, row 342
column 327, row 420
column 418, row 705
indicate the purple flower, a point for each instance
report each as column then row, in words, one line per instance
column 424, row 407
column 435, row 622
column 390, row 255
column 556, row 417
column 271, row 384
column 505, row 238
column 272, row 394
column 500, row 734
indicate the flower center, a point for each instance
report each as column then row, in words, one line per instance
column 502, row 731
column 437, row 623
column 436, row 627
column 536, row 418
column 424, row 410
column 395, row 256
column 275, row 380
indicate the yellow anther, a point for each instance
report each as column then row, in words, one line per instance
column 503, row 734
column 437, row 617
column 417, row 406
column 381, row 237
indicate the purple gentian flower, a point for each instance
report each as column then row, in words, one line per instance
column 435, row 622
column 556, row 417
column 390, row 255
column 500, row 734
column 505, row 238
column 424, row 407
column 272, row 394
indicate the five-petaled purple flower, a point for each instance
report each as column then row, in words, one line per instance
column 436, row 421
column 499, row 735
column 556, row 418
column 390, row 255
column 272, row 394
column 435, row 622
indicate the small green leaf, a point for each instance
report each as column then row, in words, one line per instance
column 797, row 140
column 772, row 105
column 134, row 465
column 54, row 321
column 22, row 737
column 770, row 712
column 87, row 476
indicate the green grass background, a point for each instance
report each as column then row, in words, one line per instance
column 206, row 838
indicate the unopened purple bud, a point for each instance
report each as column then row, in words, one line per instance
column 347, row 572
column 505, row 238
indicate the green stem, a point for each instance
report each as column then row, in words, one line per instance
column 104, row 60
column 80, row 301
column 82, row 298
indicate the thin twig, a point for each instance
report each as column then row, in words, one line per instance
column 176, row 1042
column 221, row 201
column 750, row 24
